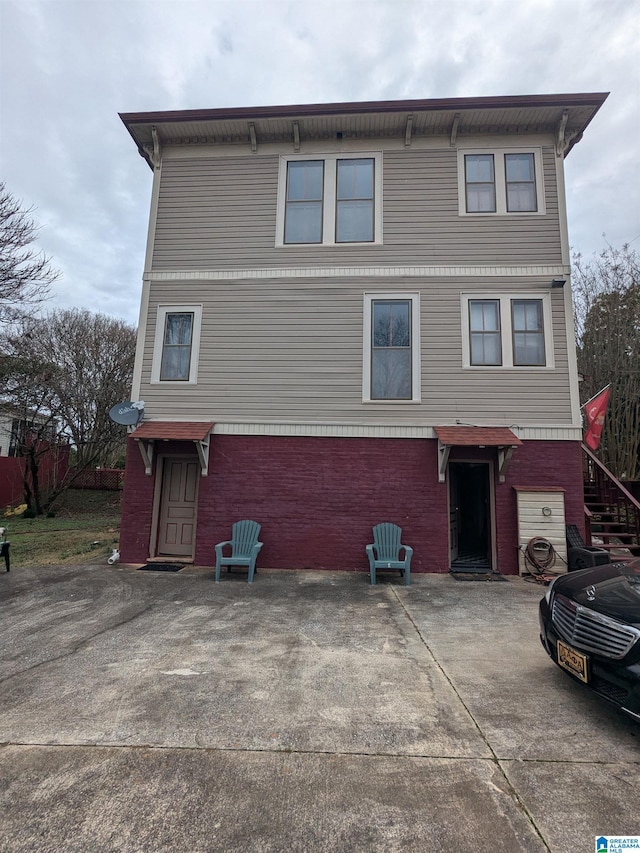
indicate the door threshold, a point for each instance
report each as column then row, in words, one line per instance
column 480, row 567
column 187, row 561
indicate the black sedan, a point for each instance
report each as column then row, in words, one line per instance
column 590, row 627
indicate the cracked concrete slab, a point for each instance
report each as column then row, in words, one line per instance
column 573, row 803
column 309, row 711
column 199, row 800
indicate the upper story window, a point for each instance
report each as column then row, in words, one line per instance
column 480, row 183
column 355, row 220
column 303, row 215
column 484, row 331
column 520, row 180
column 502, row 331
column 177, row 343
column 527, row 326
column 500, row 182
column 391, row 347
column 176, row 349
column 329, row 200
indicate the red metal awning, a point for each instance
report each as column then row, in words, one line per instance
column 151, row 431
column 473, row 436
column 173, row 430
column 501, row 438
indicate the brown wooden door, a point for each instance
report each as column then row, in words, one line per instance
column 178, row 504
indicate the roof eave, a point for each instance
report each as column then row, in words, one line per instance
column 595, row 99
column 592, row 100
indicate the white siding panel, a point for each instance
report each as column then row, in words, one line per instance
column 533, row 523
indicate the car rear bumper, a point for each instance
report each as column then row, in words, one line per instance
column 614, row 681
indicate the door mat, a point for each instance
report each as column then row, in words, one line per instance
column 162, row 567
column 477, row 576
column 471, row 564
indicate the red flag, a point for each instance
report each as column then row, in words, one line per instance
column 595, row 410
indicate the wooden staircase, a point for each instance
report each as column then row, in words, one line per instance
column 612, row 514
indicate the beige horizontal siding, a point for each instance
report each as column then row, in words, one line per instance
column 291, row 351
column 220, row 213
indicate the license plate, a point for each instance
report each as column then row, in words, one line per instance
column 574, row 662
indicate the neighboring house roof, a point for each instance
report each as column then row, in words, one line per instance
column 565, row 115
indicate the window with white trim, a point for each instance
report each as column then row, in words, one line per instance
column 329, row 200
column 391, row 356
column 176, row 344
column 506, row 331
column 500, row 181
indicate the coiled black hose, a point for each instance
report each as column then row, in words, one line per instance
column 533, row 555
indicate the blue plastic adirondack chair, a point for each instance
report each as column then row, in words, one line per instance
column 244, row 548
column 384, row 553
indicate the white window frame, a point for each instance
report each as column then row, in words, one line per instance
column 329, row 198
column 506, row 330
column 369, row 299
column 501, row 181
column 158, row 344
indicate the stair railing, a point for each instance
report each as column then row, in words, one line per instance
column 620, row 513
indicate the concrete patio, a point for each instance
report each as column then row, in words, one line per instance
column 145, row 711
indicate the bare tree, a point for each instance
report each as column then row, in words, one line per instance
column 25, row 274
column 64, row 372
column 607, row 311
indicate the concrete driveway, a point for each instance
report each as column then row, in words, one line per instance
column 308, row 712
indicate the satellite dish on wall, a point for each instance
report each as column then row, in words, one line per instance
column 127, row 413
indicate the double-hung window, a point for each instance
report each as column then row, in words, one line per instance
column 391, row 347
column 520, row 179
column 303, row 215
column 484, row 331
column 480, row 183
column 330, row 200
column 504, row 331
column 500, row 182
column 527, row 328
column 355, row 214
column 177, row 341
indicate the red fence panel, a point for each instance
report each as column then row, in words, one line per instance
column 11, row 481
column 105, row 479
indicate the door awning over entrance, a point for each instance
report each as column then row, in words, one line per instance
column 151, row 431
column 501, row 438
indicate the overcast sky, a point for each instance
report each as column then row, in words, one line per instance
column 68, row 67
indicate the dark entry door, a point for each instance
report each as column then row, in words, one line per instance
column 178, row 504
column 470, row 515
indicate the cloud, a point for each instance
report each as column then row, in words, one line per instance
column 70, row 66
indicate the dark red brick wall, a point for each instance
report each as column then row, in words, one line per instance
column 318, row 498
column 538, row 464
column 137, row 508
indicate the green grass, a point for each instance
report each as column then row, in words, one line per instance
column 86, row 528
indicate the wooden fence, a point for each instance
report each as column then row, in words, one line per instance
column 106, row 479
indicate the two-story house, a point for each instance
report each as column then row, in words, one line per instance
column 354, row 313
